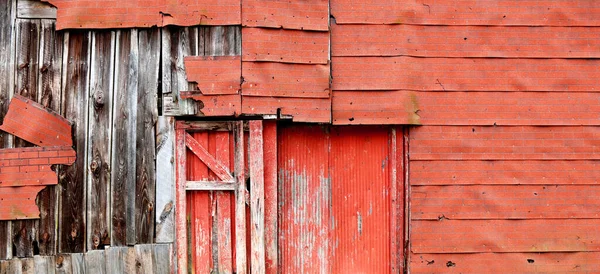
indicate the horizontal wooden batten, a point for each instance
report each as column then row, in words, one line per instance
column 476, row 202
column 285, row 46
column 469, row 12
column 215, row 75
column 375, row 107
column 217, row 167
column 504, row 143
column 300, row 15
column 505, row 236
column 465, row 41
column 210, row 185
column 35, row 9
column 285, row 80
column 315, row 110
column 459, row 74
column 559, row 262
column 452, row 173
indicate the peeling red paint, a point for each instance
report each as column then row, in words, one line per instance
column 215, row 75
column 215, row 105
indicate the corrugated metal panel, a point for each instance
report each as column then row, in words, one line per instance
column 464, row 41
column 469, row 12
column 285, row 46
column 301, row 109
column 462, row 74
column 505, row 172
column 503, row 143
column 462, row 236
column 573, row 262
column 301, row 15
column 476, row 202
column 285, row 80
column 215, row 74
column 375, row 107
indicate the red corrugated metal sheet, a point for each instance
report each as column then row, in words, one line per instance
column 468, row 12
column 301, row 109
column 497, row 143
column 215, row 105
column 215, row 74
column 461, row 41
column 505, row 172
column 285, row 80
column 457, row 74
column 375, row 107
column 145, row 13
column 301, row 15
column 286, row 46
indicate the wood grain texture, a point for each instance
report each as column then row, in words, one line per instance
column 176, row 44
column 241, row 262
column 180, row 203
column 271, row 202
column 95, row 262
column 63, row 264
column 165, row 180
column 143, row 258
column 224, row 207
column 33, row 9
column 257, row 197
column 222, row 41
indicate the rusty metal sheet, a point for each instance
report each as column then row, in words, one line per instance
column 375, row 108
column 145, row 13
column 558, row 262
column 301, row 15
column 465, row 41
column 285, row 80
column 215, row 75
column 462, row 74
column 19, row 202
column 215, row 105
column 469, row 12
column 285, row 46
column 448, row 173
column 504, row 108
column 504, row 143
column 477, row 202
column 471, row 236
column 32, row 122
column 314, row 110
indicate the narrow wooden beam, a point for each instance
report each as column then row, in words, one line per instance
column 270, row 169
column 257, row 197
column 395, row 223
column 240, row 200
column 210, row 185
column 215, row 166
column 180, row 212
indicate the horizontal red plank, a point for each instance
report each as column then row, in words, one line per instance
column 469, row 236
column 315, row 110
column 374, row 107
column 19, row 202
column 465, row 41
column 459, row 74
column 285, row 80
column 504, row 143
column 505, row 202
column 28, row 178
column 215, row 105
column 32, row 122
column 504, row 172
column 285, row 46
column 215, row 74
column 302, row 15
column 468, row 12
column 144, row 13
column 507, row 108
column 558, row 263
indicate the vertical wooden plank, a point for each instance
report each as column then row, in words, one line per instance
column 94, row 262
column 222, row 40
column 165, row 187
column 63, row 264
column 161, row 258
column 240, row 200
column 27, row 266
column 406, row 202
column 124, row 137
column 51, row 50
column 14, row 266
column 180, row 212
column 257, row 197
column 44, row 264
column 71, row 224
column 223, row 214
column 143, row 258
column 176, row 44
column 77, row 263
column 270, row 170
column 395, row 223
column 128, row 256
column 149, row 42
column 114, row 260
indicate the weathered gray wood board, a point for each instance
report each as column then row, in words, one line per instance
column 35, row 9
column 165, row 180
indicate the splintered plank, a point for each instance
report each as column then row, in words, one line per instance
column 465, row 74
column 285, row 80
column 165, row 180
column 470, row 12
column 124, row 136
column 99, row 140
column 464, row 41
column 257, row 197
column 285, row 46
column 470, row 236
column 270, row 171
column 145, row 143
column 505, row 202
column 504, row 143
column 215, row 74
column 71, row 225
column 375, row 108
column 300, row 15
column 316, row 110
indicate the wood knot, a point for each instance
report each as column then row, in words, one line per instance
column 59, row 261
column 150, row 207
column 96, row 240
column 98, row 99
column 45, row 238
column 94, row 167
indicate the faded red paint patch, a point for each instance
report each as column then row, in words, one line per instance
column 285, row 80
column 313, row 110
column 214, row 74
column 285, row 46
column 301, row 15
column 32, row 122
column 144, row 13
column 215, row 105
column 375, row 107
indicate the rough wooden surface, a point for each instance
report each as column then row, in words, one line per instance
column 257, row 197
column 176, row 44
column 95, row 262
column 241, row 263
column 165, row 179
column 35, row 9
column 180, row 212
